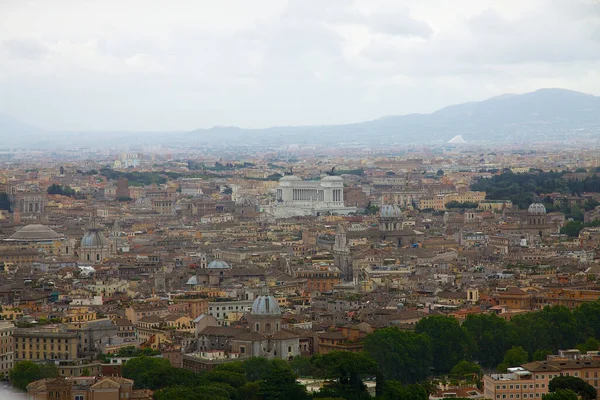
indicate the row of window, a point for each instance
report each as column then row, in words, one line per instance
column 37, row 340
column 524, row 386
column 516, row 396
column 37, row 347
column 52, row 356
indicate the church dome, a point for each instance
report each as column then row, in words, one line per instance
column 218, row 264
column 266, row 305
column 537, row 209
column 94, row 238
column 390, row 211
column 35, row 233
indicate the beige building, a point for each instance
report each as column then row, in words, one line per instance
column 6, row 347
column 530, row 381
column 84, row 388
column 45, row 344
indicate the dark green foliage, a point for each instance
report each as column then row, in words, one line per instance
column 520, row 188
column 551, row 328
column 466, row 369
column 395, row 391
column 572, row 228
column 561, row 394
column 346, row 371
column 303, row 366
column 188, row 393
column 148, row 372
column 280, row 383
column 514, row 357
column 590, row 345
column 371, row 209
column 540, row 355
column 64, row 191
column 401, row 355
column 451, row 342
column 458, row 204
column 490, row 337
column 137, row 178
column 577, row 385
column 25, row 372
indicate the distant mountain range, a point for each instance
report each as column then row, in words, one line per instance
column 552, row 113
column 547, row 114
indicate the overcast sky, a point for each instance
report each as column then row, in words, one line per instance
column 179, row 65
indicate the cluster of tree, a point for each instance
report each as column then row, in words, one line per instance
column 137, row 178
column 194, row 166
column 259, row 378
column 64, row 191
column 358, row 171
column 520, row 188
column 572, row 228
column 25, row 372
column 458, row 204
column 129, row 351
column 5, row 202
column 440, row 343
column 371, row 209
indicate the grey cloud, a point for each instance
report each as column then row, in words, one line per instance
column 25, row 48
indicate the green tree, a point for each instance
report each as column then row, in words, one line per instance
column 466, row 369
column 188, row 393
column 346, row 370
column 147, row 372
column 514, row 357
column 25, row 372
column 401, row 355
column 577, row 385
column 541, row 355
column 572, row 228
column 450, row 341
column 395, row 391
column 257, row 368
column 280, row 383
column 590, row 345
column 562, row 394
column 490, row 336
column 302, row 366
column 85, row 372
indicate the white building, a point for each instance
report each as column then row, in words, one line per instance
column 296, row 197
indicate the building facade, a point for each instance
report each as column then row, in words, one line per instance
column 296, row 197
column 7, row 357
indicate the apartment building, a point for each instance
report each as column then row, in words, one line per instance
column 530, row 381
column 6, row 348
column 221, row 310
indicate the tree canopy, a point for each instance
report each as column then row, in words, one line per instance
column 25, row 372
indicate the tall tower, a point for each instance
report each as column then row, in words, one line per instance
column 341, row 254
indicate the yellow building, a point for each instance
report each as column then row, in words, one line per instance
column 45, row 344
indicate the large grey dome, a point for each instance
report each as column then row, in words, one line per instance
column 218, row 264
column 35, row 233
column 537, row 209
column 94, row 238
column 266, row 305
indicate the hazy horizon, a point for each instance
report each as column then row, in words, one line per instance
column 154, row 66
